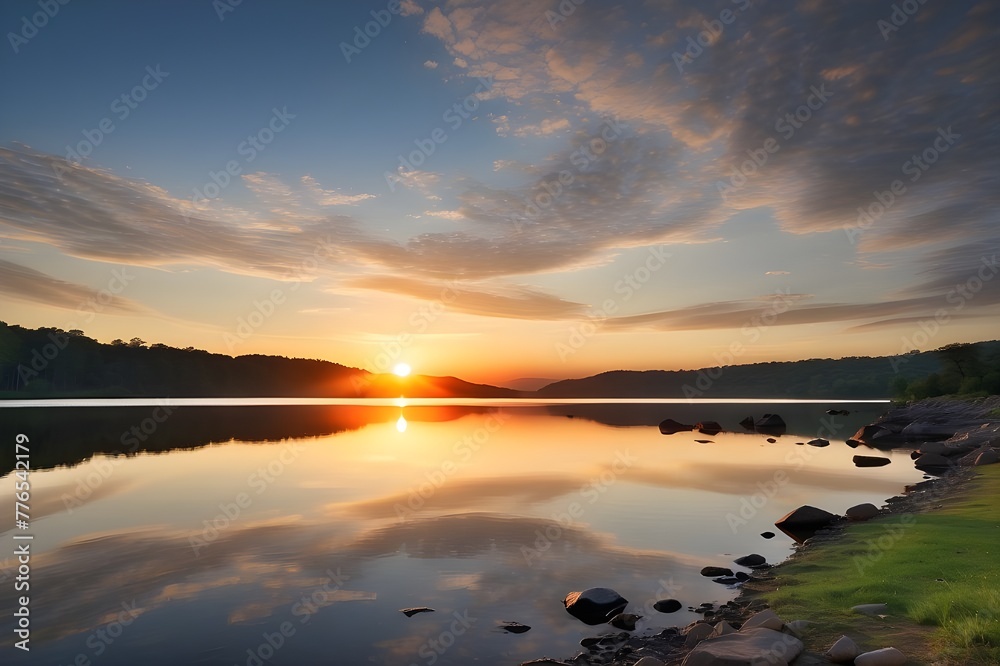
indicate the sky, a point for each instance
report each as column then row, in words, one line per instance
column 504, row 189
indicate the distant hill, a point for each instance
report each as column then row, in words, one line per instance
column 50, row 362
column 527, row 383
column 845, row 378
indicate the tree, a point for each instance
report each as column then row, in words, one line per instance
column 960, row 357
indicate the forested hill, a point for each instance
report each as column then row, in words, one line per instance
column 952, row 369
column 47, row 362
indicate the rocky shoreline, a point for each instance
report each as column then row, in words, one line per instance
column 948, row 437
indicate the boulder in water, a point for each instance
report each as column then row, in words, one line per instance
column 595, row 605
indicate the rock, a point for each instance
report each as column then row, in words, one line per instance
column 712, row 572
column 919, row 429
column 767, row 535
column 819, row 442
column 625, row 621
column 869, row 433
column 649, row 661
column 595, row 605
column 837, row 412
column 545, row 661
column 871, row 609
column 889, row 656
column 667, row 606
column 697, row 633
column 931, row 461
column 870, row 461
column 747, row 423
column 843, row 651
column 757, row 646
column 704, row 441
column 770, row 423
column 742, row 577
column 723, row 628
column 939, row 448
column 804, row 522
column 708, row 427
column 753, row 560
column 988, row 457
column 727, row 580
column 765, row 618
column 865, row 511
column 410, row 612
column 514, row 627
column 771, row 440
column 670, row 427
column 797, row 626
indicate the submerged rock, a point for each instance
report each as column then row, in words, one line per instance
column 818, row 442
column 753, row 560
column 767, row 535
column 625, row 621
column 595, row 605
column 410, row 612
column 869, row 433
column 708, row 427
column 667, row 606
column 712, row 572
column 870, row 461
column 771, row 423
column 747, row 423
column 670, row 427
column 514, row 627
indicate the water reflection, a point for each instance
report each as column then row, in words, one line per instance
column 227, row 523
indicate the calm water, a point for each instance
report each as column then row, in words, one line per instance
column 228, row 530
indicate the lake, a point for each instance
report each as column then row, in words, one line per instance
column 265, row 532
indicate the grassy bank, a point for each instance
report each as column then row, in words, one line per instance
column 938, row 571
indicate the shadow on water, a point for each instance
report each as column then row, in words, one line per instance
column 70, row 435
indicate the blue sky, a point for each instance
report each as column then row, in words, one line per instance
column 646, row 111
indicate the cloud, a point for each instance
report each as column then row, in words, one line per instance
column 544, row 128
column 332, row 197
column 765, row 64
column 453, row 215
column 410, row 8
column 508, row 301
column 26, row 284
column 777, row 273
column 92, row 214
column 438, row 25
column 430, row 64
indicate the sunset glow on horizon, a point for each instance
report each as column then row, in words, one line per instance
column 505, row 190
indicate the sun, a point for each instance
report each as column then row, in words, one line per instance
column 401, row 370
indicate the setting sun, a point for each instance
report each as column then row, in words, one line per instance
column 401, row 370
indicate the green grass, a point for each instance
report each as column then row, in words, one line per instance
column 939, row 569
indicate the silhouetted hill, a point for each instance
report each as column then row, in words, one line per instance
column 846, row 378
column 50, row 362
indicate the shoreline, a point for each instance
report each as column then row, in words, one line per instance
column 976, row 428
